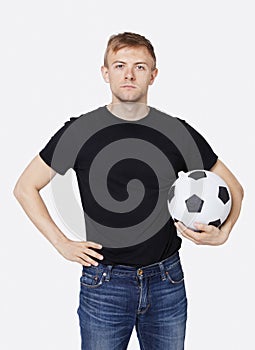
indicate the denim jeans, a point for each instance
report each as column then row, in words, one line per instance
column 114, row 299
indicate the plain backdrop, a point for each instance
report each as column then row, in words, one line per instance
column 50, row 71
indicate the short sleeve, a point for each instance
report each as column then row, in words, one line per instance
column 58, row 152
column 208, row 156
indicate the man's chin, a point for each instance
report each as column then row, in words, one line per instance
column 125, row 99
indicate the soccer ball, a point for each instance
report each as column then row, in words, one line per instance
column 199, row 196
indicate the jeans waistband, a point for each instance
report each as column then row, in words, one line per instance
column 142, row 271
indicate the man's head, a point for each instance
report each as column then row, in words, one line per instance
column 129, row 67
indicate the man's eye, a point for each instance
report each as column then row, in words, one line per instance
column 140, row 67
column 119, row 66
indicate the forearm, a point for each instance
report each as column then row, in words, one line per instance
column 35, row 208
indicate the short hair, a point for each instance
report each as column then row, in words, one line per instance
column 128, row 39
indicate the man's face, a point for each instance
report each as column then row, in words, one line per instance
column 129, row 72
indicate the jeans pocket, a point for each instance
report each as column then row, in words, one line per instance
column 175, row 273
column 92, row 279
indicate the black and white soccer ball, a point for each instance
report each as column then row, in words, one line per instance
column 199, row 196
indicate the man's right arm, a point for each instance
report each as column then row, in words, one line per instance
column 36, row 176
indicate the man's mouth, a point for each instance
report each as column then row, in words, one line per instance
column 128, row 86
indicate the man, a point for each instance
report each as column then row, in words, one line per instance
column 126, row 155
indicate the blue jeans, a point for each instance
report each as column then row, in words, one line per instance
column 114, row 299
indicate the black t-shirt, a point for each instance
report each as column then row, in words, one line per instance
column 124, row 171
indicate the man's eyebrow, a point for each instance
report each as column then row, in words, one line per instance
column 141, row 63
column 125, row 62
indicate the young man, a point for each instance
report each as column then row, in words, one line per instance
column 126, row 155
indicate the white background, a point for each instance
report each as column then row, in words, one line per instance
column 50, row 71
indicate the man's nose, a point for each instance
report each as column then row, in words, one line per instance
column 129, row 74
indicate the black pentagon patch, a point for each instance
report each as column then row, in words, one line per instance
column 196, row 175
column 215, row 223
column 223, row 194
column 171, row 193
column 194, row 204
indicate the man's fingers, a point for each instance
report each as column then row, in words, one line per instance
column 203, row 227
column 188, row 237
column 88, row 259
column 195, row 237
column 184, row 229
column 93, row 244
column 208, row 234
column 93, row 253
column 83, row 262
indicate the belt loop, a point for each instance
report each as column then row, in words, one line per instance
column 108, row 273
column 163, row 274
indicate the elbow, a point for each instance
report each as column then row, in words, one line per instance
column 17, row 191
column 241, row 192
column 23, row 189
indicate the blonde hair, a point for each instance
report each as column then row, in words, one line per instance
column 128, row 39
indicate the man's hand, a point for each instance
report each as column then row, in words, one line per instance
column 209, row 235
column 79, row 251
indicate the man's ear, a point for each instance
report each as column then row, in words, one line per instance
column 154, row 73
column 104, row 71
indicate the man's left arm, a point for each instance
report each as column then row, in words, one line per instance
column 211, row 235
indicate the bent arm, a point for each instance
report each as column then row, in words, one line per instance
column 236, row 191
column 36, row 176
column 209, row 234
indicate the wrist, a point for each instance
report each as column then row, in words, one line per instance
column 60, row 240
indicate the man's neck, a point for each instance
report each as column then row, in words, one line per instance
column 129, row 110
